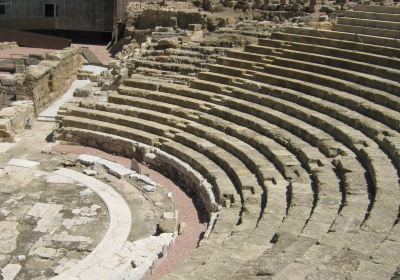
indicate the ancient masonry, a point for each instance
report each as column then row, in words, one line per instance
column 289, row 146
column 41, row 81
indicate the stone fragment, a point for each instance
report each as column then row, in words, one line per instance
column 88, row 159
column 90, row 172
column 84, row 91
column 49, row 214
column 45, row 252
column 8, row 236
column 169, row 222
column 10, row 271
column 149, row 188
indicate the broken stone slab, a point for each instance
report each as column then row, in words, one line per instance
column 113, row 168
column 23, row 163
column 8, row 236
column 88, row 159
column 58, row 179
column 49, row 216
column 143, row 178
column 45, row 252
column 10, row 271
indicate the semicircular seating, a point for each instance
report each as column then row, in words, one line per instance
column 299, row 137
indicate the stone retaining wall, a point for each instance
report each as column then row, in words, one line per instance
column 51, row 78
column 14, row 118
column 45, row 82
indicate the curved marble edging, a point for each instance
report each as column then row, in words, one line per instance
column 108, row 250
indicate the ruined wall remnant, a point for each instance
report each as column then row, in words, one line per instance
column 45, row 82
column 152, row 17
column 14, row 118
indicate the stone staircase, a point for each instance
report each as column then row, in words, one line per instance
column 299, row 138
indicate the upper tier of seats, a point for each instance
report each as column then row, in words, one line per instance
column 299, row 137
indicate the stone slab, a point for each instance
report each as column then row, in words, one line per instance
column 23, row 163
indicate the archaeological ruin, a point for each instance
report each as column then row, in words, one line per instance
column 200, row 140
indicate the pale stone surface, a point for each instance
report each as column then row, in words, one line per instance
column 10, row 271
column 23, row 163
column 49, row 214
column 169, row 222
column 4, row 147
column 8, row 236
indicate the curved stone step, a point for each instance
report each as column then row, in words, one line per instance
column 316, row 211
column 201, row 63
column 173, row 67
column 369, row 23
column 228, row 217
column 358, row 149
column 361, row 30
column 387, row 39
column 363, row 81
column 377, row 228
column 171, row 98
column 379, row 185
column 342, row 88
column 377, row 9
column 372, row 128
column 261, row 247
column 285, row 77
column 379, row 71
column 242, row 179
column 372, row 16
column 367, row 52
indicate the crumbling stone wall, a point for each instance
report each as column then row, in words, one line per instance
column 45, row 82
column 14, row 118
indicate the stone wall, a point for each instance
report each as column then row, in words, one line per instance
column 86, row 15
column 8, row 45
column 45, row 82
column 151, row 18
column 14, row 118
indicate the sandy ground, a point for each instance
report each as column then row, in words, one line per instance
column 185, row 243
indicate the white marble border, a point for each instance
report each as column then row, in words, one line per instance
column 94, row 266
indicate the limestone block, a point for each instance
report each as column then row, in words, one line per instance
column 84, row 91
column 169, row 222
